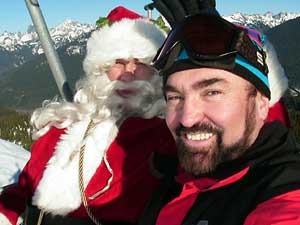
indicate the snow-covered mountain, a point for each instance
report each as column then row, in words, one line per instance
column 262, row 22
column 26, row 86
column 70, row 31
column 17, row 48
column 62, row 34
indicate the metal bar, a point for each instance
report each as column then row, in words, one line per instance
column 48, row 46
column 149, row 8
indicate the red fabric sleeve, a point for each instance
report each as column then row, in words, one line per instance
column 280, row 210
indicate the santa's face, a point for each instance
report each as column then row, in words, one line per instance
column 127, row 71
column 130, row 88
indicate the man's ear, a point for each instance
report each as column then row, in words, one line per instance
column 262, row 103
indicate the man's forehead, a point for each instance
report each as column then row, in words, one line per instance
column 196, row 79
column 195, row 85
column 206, row 75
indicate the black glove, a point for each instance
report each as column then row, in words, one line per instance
column 176, row 10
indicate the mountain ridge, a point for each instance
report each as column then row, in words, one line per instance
column 70, row 38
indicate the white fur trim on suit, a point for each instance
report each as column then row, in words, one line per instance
column 4, row 220
column 277, row 78
column 58, row 191
column 126, row 39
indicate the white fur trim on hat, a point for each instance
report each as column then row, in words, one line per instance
column 277, row 79
column 126, row 39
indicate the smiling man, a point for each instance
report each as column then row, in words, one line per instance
column 207, row 131
column 236, row 167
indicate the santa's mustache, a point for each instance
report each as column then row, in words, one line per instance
column 138, row 85
column 141, row 87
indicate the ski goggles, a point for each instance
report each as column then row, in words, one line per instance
column 210, row 41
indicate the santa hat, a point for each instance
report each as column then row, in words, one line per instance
column 129, row 36
column 278, row 85
column 277, row 79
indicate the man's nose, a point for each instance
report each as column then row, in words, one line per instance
column 129, row 72
column 192, row 112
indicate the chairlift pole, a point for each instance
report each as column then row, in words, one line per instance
column 48, row 46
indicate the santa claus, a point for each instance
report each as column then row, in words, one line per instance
column 93, row 158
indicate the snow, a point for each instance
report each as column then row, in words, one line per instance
column 62, row 34
column 262, row 22
column 27, row 37
column 75, row 33
column 12, row 160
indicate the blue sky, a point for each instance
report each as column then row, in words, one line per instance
column 15, row 17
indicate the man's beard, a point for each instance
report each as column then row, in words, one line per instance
column 145, row 101
column 217, row 152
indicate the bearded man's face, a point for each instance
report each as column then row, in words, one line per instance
column 213, row 115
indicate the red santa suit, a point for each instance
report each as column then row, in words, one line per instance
column 117, row 172
column 50, row 178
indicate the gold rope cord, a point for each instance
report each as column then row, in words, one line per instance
column 108, row 182
column 41, row 215
column 81, row 185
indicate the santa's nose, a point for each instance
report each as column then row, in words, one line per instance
column 128, row 74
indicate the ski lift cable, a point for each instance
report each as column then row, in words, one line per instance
column 50, row 52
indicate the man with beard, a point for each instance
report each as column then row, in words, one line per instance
column 93, row 162
column 236, row 167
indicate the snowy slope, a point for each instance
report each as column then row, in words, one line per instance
column 12, row 160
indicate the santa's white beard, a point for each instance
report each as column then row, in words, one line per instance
column 146, row 102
